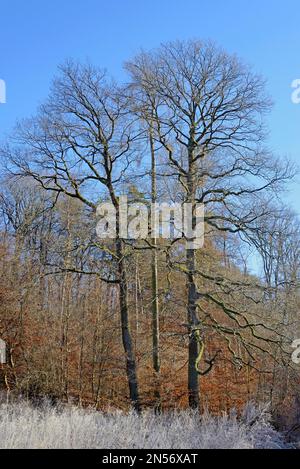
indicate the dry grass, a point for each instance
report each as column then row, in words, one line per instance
column 25, row 426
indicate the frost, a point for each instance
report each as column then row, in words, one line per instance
column 25, row 426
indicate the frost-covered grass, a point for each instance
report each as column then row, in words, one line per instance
column 24, row 426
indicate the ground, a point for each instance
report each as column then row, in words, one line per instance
column 25, row 426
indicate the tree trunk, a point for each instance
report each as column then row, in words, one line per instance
column 126, row 336
column 155, row 304
column 193, row 378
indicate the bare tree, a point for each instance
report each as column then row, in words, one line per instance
column 208, row 116
column 81, row 145
column 201, row 112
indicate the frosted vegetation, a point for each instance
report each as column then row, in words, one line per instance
column 25, row 426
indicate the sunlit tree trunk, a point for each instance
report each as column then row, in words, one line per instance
column 154, row 277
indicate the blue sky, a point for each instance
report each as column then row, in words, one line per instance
column 36, row 36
